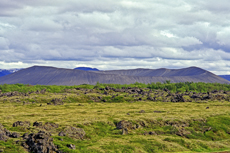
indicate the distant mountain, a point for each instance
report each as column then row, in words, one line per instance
column 227, row 77
column 58, row 76
column 86, row 69
column 163, row 72
column 4, row 72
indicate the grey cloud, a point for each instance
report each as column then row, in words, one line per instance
column 4, row 43
column 115, row 34
column 9, row 8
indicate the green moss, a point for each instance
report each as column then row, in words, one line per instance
column 11, row 147
column 151, row 145
column 81, row 146
column 118, row 148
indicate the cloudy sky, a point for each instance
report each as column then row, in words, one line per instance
column 115, row 34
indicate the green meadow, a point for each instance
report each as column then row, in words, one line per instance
column 159, row 125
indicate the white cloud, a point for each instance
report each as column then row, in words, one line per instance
column 118, row 34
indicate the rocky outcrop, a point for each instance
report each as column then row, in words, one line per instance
column 40, row 142
column 178, row 98
column 124, row 124
column 21, row 123
column 73, row 132
column 47, row 126
column 10, row 94
column 5, row 134
column 56, row 101
column 39, row 124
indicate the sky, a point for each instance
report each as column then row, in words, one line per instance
column 115, row 34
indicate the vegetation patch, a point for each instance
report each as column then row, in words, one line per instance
column 157, row 117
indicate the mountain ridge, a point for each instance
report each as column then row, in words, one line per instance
column 47, row 75
column 4, row 72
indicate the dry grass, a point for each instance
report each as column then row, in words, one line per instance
column 71, row 113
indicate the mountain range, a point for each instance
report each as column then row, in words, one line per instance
column 86, row 68
column 4, row 72
column 227, row 77
column 58, row 76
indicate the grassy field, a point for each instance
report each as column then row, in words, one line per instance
column 195, row 126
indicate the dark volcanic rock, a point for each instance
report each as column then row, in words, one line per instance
column 178, row 98
column 214, row 91
column 219, row 97
column 21, row 123
column 40, row 142
column 37, row 124
column 3, row 136
column 4, row 133
column 25, row 136
column 207, row 97
column 195, row 96
column 15, row 135
column 151, row 98
column 10, row 94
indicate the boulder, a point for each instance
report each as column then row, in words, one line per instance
column 40, row 142
column 207, row 97
column 178, row 98
column 194, row 96
column 124, row 124
column 21, row 123
column 4, row 133
column 3, row 136
column 73, row 132
column 151, row 98
column 15, row 135
column 37, row 123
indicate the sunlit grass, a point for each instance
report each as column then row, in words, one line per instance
column 78, row 110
